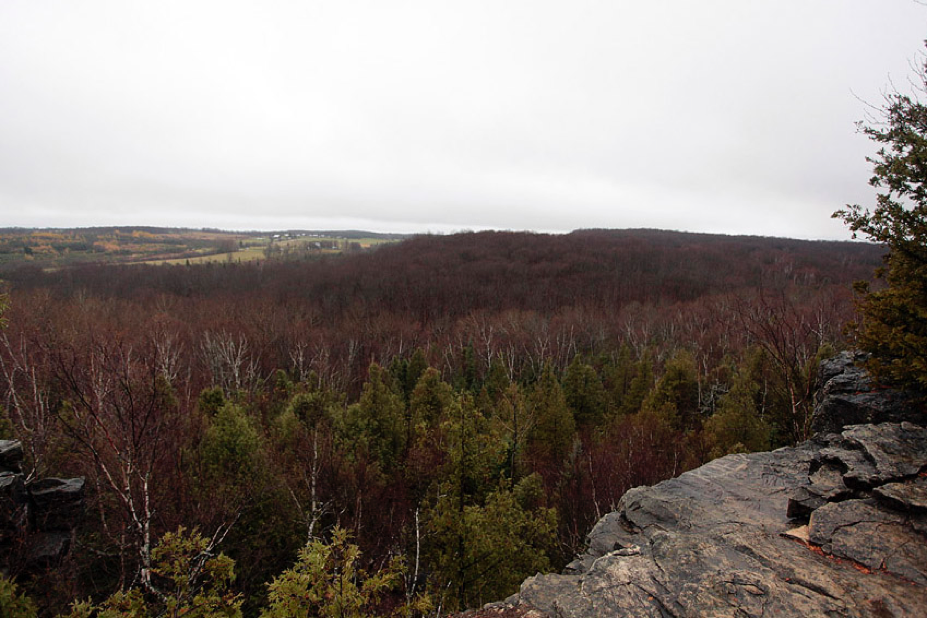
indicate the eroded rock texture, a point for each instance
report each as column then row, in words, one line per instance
column 836, row 526
column 37, row 519
column 849, row 397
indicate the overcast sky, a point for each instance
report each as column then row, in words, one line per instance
column 728, row 116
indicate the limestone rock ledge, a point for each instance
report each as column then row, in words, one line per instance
column 836, row 526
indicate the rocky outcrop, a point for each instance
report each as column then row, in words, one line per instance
column 37, row 519
column 836, row 526
column 850, row 397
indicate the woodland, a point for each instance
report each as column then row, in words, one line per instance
column 411, row 429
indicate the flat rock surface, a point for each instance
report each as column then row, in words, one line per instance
column 716, row 541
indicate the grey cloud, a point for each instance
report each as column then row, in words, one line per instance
column 714, row 116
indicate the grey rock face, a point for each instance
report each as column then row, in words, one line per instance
column 14, row 506
column 36, row 519
column 11, row 455
column 849, row 397
column 715, row 541
column 905, row 496
column 58, row 504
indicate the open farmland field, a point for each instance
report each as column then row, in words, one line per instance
column 56, row 248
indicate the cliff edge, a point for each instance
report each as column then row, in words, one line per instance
column 836, row 526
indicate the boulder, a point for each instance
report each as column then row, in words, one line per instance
column 37, row 519
column 11, row 455
column 850, row 397
column 48, row 548
column 14, row 507
column 58, row 504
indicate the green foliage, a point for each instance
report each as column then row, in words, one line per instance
column 631, row 398
column 894, row 324
column 407, row 373
column 283, row 388
column 14, row 604
column 584, row 393
column 472, row 451
column 211, row 401
column 121, row 604
column 497, row 380
column 6, row 425
column 551, row 435
column 311, row 409
column 378, row 420
column 894, row 331
column 197, row 583
column 417, row 366
column 676, row 394
column 326, row 581
column 231, row 449
column 190, row 581
column 738, row 425
column 238, row 484
column 467, row 376
column 430, row 398
column 4, row 305
column 513, row 423
column 484, row 552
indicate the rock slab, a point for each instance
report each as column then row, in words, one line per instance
column 716, row 541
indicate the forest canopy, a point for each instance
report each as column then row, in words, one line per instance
column 419, row 415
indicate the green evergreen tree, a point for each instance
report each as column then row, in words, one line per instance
column 468, row 377
column 238, row 486
column 677, row 392
column 553, row 430
column 484, row 551
column 638, row 387
column 497, row 380
column 304, row 432
column 894, row 319
column 232, row 450
column 430, row 399
column 378, row 420
column 211, row 401
column 584, row 393
column 417, row 366
column 327, row 581
column 738, row 425
column 514, row 422
column 473, row 451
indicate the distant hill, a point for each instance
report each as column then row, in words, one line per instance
column 431, row 276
